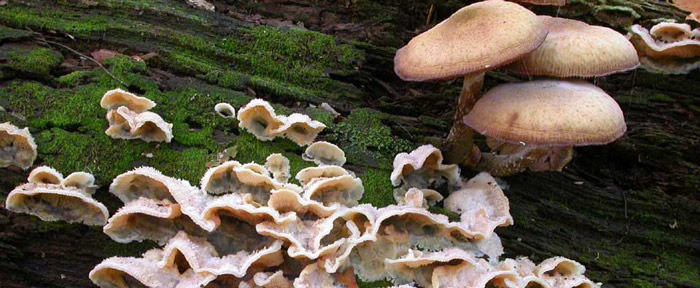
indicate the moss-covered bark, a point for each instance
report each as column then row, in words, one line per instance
column 628, row 211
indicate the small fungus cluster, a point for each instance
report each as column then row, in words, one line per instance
column 531, row 125
column 51, row 197
column 260, row 119
column 17, row 146
column 669, row 48
column 129, row 118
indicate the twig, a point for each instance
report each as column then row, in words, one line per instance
column 49, row 43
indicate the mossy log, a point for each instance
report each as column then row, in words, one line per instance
column 629, row 211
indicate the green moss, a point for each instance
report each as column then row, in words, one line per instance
column 378, row 189
column 75, row 78
column 367, row 141
column 639, row 283
column 55, row 226
column 39, row 61
column 321, row 115
column 7, row 33
column 54, row 19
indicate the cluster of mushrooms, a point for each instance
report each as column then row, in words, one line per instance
column 529, row 125
column 252, row 225
column 247, row 225
column 129, row 118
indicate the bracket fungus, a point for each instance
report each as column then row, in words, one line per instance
column 116, row 98
column 260, row 119
column 668, row 48
column 539, row 122
column 481, row 204
column 324, row 153
column 225, row 110
column 244, row 228
column 480, row 37
column 300, row 128
column 278, row 165
column 17, row 146
column 129, row 118
column 423, row 169
column 52, row 198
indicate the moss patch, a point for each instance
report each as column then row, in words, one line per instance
column 38, row 62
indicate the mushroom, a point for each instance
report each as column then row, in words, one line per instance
column 150, row 127
column 50, row 197
column 468, row 275
column 45, row 175
column 17, row 146
column 423, row 168
column 299, row 128
column 575, row 49
column 480, row 37
column 481, row 204
column 667, row 48
column 278, row 165
column 539, row 122
column 259, row 118
column 225, row 110
column 418, row 267
column 116, row 98
column 674, row 40
column 324, row 153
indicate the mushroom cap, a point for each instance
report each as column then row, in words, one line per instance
column 575, row 49
column 478, row 37
column 548, row 112
column 113, row 99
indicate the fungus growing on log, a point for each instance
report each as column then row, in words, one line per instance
column 49, row 197
column 17, row 146
column 423, row 169
column 538, row 123
column 116, row 98
column 324, row 153
column 225, row 110
column 300, row 128
column 480, row 37
column 259, row 118
column 668, row 48
column 481, row 204
column 278, row 165
column 129, row 118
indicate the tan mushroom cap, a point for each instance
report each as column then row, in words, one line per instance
column 575, row 49
column 478, row 37
column 548, row 112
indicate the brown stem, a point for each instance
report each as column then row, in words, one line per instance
column 459, row 146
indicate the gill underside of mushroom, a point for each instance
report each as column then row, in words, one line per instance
column 509, row 159
column 459, row 146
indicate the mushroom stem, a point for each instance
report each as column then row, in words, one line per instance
column 509, row 159
column 459, row 146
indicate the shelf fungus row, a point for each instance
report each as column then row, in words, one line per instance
column 17, row 146
column 246, row 226
column 129, row 118
column 51, row 197
column 669, row 48
column 493, row 34
column 259, row 118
